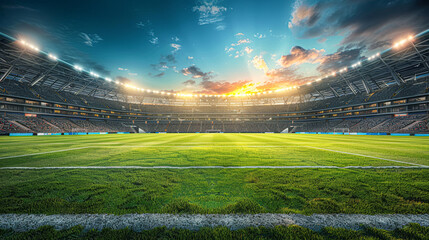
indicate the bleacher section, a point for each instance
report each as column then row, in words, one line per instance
column 413, row 123
column 308, row 116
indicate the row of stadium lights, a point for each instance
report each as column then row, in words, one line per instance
column 333, row 74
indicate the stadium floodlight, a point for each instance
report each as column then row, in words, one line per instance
column 95, row 75
column 318, row 80
column 108, row 79
column 53, row 57
column 403, row 41
column 309, row 83
column 31, row 46
column 78, row 68
column 374, row 56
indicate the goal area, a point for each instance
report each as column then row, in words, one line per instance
column 213, row 131
column 341, row 130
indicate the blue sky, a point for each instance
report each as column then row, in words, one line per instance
column 213, row 46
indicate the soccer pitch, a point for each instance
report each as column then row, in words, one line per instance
column 214, row 173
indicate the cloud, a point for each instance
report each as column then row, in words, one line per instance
column 259, row 63
column 175, row 38
column 209, row 12
column 161, row 66
column 241, row 41
column 190, row 57
column 170, row 58
column 176, row 47
column 342, row 58
column 140, row 25
column 220, row 27
column 299, row 55
column 229, row 49
column 369, row 23
column 154, row 40
column 19, row 7
column 189, row 82
column 132, row 74
column 159, row 75
column 212, row 87
column 259, row 35
column 122, row 69
column 195, row 72
column 90, row 39
column 303, row 15
column 239, row 34
column 282, row 74
column 147, row 26
column 248, row 50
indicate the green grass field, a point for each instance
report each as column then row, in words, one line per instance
column 231, row 190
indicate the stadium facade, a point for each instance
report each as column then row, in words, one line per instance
column 388, row 93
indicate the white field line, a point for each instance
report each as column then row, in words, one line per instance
column 139, row 222
column 40, row 153
column 199, row 146
column 362, row 155
column 214, row 167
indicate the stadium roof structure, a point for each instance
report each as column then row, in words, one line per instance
column 406, row 61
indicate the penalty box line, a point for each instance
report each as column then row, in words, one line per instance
column 368, row 156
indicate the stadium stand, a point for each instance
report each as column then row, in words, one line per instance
column 370, row 101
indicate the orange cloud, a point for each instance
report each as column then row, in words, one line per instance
column 299, row 55
column 259, row 63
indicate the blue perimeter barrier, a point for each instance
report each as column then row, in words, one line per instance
column 339, row 133
column 20, row 134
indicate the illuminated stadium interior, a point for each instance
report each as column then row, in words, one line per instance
column 216, row 121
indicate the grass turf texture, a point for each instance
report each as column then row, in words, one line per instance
column 121, row 191
column 411, row 231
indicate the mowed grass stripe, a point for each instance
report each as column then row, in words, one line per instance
column 184, row 156
column 362, row 155
column 125, row 191
column 41, row 153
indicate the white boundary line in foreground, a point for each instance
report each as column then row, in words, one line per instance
column 139, row 222
column 215, row 167
column 362, row 155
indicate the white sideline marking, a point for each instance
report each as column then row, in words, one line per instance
column 199, row 146
column 139, row 222
column 32, row 154
column 362, row 155
column 215, row 167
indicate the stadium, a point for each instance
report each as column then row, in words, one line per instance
column 340, row 155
